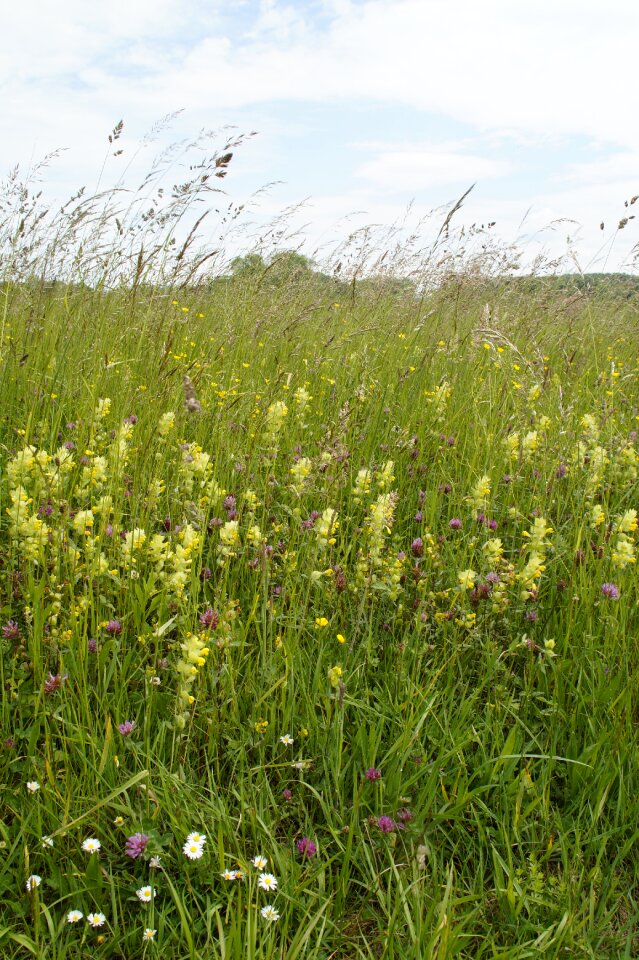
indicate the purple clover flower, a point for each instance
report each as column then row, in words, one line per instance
column 127, row 728
column 210, row 618
column 610, row 590
column 54, row 682
column 373, row 774
column 455, row 523
column 417, row 547
column 306, row 847
column 386, row 824
column 114, row 627
column 136, row 845
column 11, row 630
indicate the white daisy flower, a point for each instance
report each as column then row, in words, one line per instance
column 145, row 894
column 196, row 838
column 33, row 881
column 229, row 875
column 260, row 862
column 149, row 934
column 193, row 850
column 267, row 881
column 74, row 916
column 287, row 740
column 96, row 919
column 33, row 786
column 91, row 845
column 270, row 913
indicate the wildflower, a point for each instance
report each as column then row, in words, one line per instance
column 145, row 894
column 270, row 913
column 11, row 630
column 92, row 645
column 210, row 618
column 148, row 934
column 334, row 676
column 267, row 881
column 610, row 590
column 96, row 919
column 229, row 875
column 74, row 916
column 321, row 622
column 118, row 821
column 114, row 628
column 136, row 845
column 47, row 842
column 480, row 493
column 154, row 863
column 286, row 795
column 54, row 682
column 386, row 824
column 196, row 837
column 623, row 552
column 33, row 881
column 455, row 523
column 404, row 815
column 166, row 423
column 373, row 774
column 127, row 728
column 33, row 786
column 91, row 845
column 260, row 862
column 287, row 740
column 341, row 638
column 193, row 850
column 467, row 579
column 628, row 522
column 306, row 847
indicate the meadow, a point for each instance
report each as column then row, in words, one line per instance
column 319, row 617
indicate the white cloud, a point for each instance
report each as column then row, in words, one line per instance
column 416, row 168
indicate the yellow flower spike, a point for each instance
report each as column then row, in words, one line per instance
column 467, row 579
column 335, row 675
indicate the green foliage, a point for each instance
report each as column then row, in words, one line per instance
column 491, row 684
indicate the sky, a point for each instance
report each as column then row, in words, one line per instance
column 365, row 112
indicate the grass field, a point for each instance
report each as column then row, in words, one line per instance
column 329, row 650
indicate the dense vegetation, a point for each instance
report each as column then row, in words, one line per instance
column 320, row 613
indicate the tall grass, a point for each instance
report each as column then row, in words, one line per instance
column 396, row 526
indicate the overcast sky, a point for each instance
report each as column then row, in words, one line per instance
column 360, row 106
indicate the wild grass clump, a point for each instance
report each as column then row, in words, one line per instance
column 319, row 609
